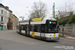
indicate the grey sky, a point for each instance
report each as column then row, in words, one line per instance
column 23, row 7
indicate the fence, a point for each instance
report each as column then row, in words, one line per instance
column 68, row 29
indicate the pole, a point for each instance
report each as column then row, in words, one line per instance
column 53, row 10
column 62, row 31
column 29, row 27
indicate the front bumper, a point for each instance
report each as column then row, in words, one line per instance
column 52, row 38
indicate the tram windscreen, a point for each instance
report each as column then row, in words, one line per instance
column 51, row 26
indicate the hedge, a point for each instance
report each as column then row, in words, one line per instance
column 71, row 19
column 67, row 20
column 62, row 21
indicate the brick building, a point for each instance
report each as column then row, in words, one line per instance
column 15, row 22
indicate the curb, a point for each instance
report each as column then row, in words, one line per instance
column 67, row 36
column 5, row 30
column 70, row 37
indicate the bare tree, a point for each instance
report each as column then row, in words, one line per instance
column 65, row 11
column 38, row 10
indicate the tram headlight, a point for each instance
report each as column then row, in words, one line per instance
column 50, row 22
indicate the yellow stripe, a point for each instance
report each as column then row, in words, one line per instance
column 33, row 34
column 54, row 35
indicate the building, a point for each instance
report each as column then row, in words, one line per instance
column 15, row 22
column 9, row 24
column 7, row 19
column 4, row 14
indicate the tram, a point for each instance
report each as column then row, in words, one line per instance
column 42, row 28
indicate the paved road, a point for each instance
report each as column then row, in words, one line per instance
column 10, row 40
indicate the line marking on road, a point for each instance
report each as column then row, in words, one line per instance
column 69, row 40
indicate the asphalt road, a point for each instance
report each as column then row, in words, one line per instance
column 10, row 40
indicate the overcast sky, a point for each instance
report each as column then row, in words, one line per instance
column 23, row 7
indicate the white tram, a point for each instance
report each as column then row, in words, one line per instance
column 46, row 28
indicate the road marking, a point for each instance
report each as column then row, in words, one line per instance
column 69, row 40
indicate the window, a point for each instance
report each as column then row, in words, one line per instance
column 32, row 28
column 35, row 28
column 38, row 28
column 1, row 18
column 43, row 28
column 12, row 17
column 1, row 11
column 24, row 27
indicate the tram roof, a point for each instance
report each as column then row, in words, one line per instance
column 43, row 19
column 37, row 22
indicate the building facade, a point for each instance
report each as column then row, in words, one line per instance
column 4, row 14
column 9, row 24
column 15, row 22
column 7, row 19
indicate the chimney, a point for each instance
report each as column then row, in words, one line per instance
column 7, row 7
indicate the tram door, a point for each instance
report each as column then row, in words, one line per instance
column 33, row 33
column 27, row 30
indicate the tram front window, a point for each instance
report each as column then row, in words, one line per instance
column 51, row 27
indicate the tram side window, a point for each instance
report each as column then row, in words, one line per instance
column 27, row 27
column 38, row 28
column 42, row 28
column 20, row 27
column 32, row 28
column 24, row 26
column 17, row 27
column 35, row 28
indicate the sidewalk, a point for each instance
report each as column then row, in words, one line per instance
column 68, row 36
column 5, row 30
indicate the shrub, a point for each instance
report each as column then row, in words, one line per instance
column 67, row 20
column 59, row 21
column 71, row 19
column 62, row 21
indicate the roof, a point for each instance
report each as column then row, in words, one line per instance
column 24, row 21
column 48, row 18
column 43, row 19
column 15, row 15
column 6, row 7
